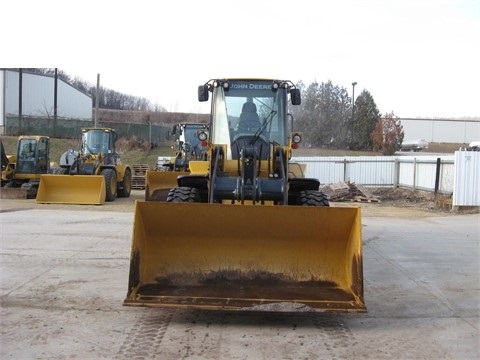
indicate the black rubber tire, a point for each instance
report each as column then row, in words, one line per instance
column 183, row 194
column 312, row 198
column 125, row 186
column 110, row 184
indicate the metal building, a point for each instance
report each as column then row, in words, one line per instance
column 37, row 98
column 441, row 130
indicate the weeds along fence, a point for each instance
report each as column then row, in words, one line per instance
column 457, row 175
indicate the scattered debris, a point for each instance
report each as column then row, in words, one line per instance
column 347, row 191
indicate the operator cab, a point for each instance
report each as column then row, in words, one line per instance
column 249, row 113
column 33, row 155
column 98, row 141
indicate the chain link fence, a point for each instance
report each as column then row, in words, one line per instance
column 71, row 128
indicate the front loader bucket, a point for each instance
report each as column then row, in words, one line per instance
column 159, row 183
column 72, row 189
column 218, row 256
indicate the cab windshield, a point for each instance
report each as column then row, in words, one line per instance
column 249, row 108
column 96, row 142
column 27, row 156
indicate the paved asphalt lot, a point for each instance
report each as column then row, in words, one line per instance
column 64, row 273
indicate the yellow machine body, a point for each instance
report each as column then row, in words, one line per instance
column 21, row 172
column 245, row 229
column 92, row 175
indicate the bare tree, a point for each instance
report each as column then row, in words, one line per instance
column 388, row 134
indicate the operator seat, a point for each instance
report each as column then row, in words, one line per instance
column 249, row 121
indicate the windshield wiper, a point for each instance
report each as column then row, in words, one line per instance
column 257, row 134
column 88, row 147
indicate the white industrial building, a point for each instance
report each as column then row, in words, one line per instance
column 441, row 130
column 38, row 98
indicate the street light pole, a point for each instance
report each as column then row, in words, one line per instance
column 353, row 99
column 353, row 110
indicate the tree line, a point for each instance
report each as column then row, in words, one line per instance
column 328, row 116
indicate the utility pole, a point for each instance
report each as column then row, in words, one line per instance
column 55, row 102
column 97, row 93
column 55, row 95
column 20, row 94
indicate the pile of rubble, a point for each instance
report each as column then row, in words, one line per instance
column 347, row 191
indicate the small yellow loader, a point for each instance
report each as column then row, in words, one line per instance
column 246, row 230
column 21, row 172
column 92, row 175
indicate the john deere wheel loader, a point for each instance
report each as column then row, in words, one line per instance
column 90, row 176
column 21, row 172
column 187, row 148
column 249, row 232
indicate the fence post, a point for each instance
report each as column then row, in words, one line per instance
column 437, row 176
column 396, row 173
column 414, row 173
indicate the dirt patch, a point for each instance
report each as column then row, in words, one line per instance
column 406, row 198
column 421, row 200
column 406, row 203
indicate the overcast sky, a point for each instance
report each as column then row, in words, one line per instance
column 416, row 57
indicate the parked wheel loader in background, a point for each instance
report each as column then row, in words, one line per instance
column 90, row 176
column 21, row 172
column 248, row 232
column 187, row 148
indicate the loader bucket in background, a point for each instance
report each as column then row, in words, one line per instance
column 218, row 256
column 159, row 183
column 72, row 189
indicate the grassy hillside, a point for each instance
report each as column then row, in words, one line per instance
column 136, row 153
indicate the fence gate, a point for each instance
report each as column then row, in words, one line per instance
column 467, row 179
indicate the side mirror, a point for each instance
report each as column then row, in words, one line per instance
column 295, row 96
column 203, row 93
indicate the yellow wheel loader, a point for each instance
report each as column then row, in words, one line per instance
column 159, row 182
column 249, row 232
column 92, row 175
column 187, row 147
column 21, row 172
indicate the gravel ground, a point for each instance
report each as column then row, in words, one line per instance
column 64, row 273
